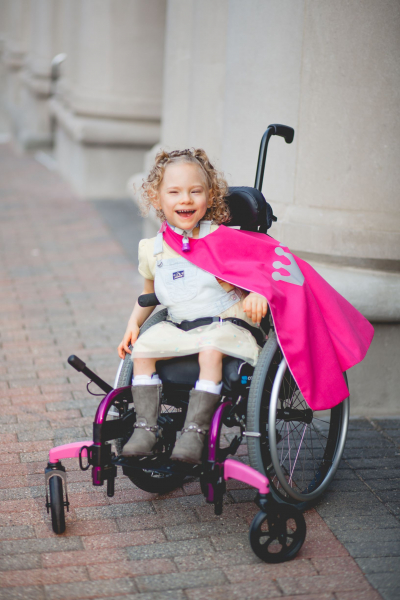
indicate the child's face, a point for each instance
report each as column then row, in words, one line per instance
column 183, row 195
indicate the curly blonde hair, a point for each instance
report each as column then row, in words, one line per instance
column 218, row 212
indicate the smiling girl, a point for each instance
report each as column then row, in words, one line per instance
column 188, row 193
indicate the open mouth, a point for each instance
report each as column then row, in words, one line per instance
column 185, row 213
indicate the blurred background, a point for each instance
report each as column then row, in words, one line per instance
column 93, row 88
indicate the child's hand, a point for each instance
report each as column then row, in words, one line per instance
column 130, row 337
column 255, row 306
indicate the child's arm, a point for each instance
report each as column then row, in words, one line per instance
column 254, row 305
column 136, row 320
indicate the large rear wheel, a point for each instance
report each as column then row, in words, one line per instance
column 298, row 449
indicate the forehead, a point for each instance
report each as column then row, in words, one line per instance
column 184, row 173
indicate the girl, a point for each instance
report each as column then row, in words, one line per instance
column 189, row 194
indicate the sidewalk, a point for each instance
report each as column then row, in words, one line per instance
column 67, row 286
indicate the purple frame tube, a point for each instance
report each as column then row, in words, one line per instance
column 99, row 418
column 213, row 437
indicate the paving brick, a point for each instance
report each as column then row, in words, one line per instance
column 90, row 589
column 387, row 583
column 67, row 558
column 15, row 533
column 37, row 433
column 121, row 540
column 169, row 549
column 134, row 568
column 9, row 458
column 246, row 510
column 175, row 581
column 42, row 576
column 370, row 594
column 164, row 595
column 78, row 528
column 230, row 542
column 367, row 536
column 194, row 530
column 23, row 593
column 16, row 562
column 250, row 591
column 45, row 545
column 114, row 511
column 323, row 584
column 16, row 506
column 359, row 522
column 374, row 549
column 382, row 564
column 335, row 564
column 295, row 568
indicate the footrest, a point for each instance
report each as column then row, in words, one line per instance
column 68, row 451
column 237, row 470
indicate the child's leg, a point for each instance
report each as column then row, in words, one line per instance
column 202, row 402
column 210, row 362
column 146, row 393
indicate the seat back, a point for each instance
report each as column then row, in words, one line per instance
column 249, row 209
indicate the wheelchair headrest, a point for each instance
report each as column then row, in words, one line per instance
column 249, row 209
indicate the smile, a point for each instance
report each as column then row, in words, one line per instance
column 185, row 212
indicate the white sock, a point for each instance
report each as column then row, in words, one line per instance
column 146, row 380
column 204, row 385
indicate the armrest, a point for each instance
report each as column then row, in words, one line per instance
column 146, row 300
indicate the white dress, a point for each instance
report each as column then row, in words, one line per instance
column 183, row 288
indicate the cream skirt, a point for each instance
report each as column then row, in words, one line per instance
column 165, row 340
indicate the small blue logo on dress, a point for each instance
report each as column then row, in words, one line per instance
column 178, row 274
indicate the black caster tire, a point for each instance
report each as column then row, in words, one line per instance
column 57, row 504
column 278, row 535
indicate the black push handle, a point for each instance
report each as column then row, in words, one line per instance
column 80, row 366
column 146, row 300
column 283, row 131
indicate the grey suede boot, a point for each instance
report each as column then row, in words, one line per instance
column 146, row 399
column 189, row 447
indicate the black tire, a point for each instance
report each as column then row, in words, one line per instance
column 299, row 458
column 278, row 535
column 57, row 504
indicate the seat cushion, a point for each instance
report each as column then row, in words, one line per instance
column 184, row 371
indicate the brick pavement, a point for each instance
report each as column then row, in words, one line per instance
column 67, row 287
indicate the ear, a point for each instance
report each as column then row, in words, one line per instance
column 155, row 201
column 210, row 199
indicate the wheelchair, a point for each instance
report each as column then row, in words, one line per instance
column 293, row 451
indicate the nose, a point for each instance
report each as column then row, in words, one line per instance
column 186, row 198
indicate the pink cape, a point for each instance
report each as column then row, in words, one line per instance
column 320, row 333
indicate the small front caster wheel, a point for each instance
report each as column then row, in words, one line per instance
column 278, row 535
column 57, row 504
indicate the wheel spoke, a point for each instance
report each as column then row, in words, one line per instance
column 297, row 455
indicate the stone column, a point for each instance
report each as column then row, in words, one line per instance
column 17, row 39
column 34, row 127
column 108, row 106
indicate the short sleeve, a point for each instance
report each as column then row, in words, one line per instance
column 144, row 263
